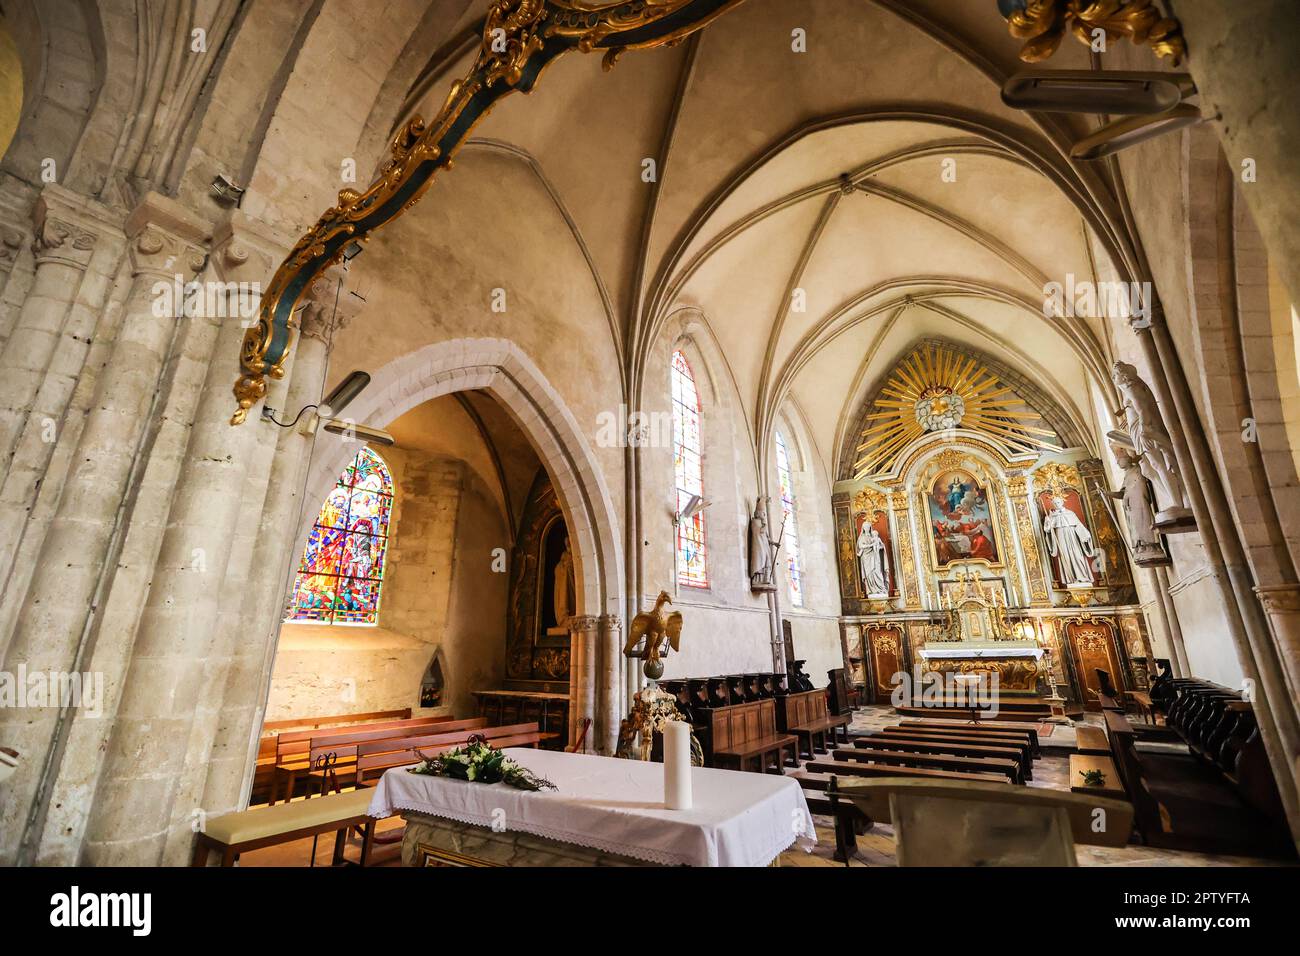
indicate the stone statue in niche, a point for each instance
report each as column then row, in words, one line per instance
column 1070, row 543
column 563, row 596
column 760, row 551
column 562, row 592
column 1152, row 447
column 1139, row 511
column 873, row 566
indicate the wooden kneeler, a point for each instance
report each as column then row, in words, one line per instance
column 970, row 823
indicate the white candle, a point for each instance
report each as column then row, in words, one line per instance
column 677, row 765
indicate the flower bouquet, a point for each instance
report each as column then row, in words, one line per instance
column 480, row 762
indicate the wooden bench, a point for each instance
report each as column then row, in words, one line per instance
column 1113, row 787
column 293, row 750
column 950, row 745
column 963, row 746
column 804, row 714
column 1004, row 728
column 373, row 758
column 1091, row 741
column 940, row 761
column 1019, row 742
column 315, row 723
column 741, row 733
column 234, row 833
column 854, row 768
column 982, row 715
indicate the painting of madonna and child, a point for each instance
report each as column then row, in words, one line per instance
column 960, row 520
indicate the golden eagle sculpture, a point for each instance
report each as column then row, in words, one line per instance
column 661, row 631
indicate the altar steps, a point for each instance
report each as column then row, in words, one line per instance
column 1016, row 711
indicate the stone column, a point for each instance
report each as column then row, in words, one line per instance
column 275, row 553
column 1281, row 602
column 11, row 245
column 1242, row 57
column 583, row 635
column 609, row 630
column 151, row 743
column 74, row 564
column 63, row 246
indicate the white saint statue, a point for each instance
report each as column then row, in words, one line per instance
column 1153, row 447
column 872, row 564
column 1070, row 542
column 1135, row 493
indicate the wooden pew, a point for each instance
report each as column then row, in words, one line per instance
column 950, row 745
column 973, row 746
column 804, row 714
column 1003, row 738
column 937, row 761
column 1008, row 728
column 292, row 754
column 741, row 733
column 854, row 768
column 375, row 757
column 315, row 723
column 821, row 792
column 1091, row 741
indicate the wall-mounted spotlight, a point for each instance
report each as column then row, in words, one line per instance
column 227, row 193
column 354, row 430
column 339, row 398
column 1122, row 93
column 1132, row 130
column 1151, row 104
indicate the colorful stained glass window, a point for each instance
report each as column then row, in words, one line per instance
column 790, row 541
column 688, row 473
column 342, row 569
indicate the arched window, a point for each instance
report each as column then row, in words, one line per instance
column 688, row 473
column 342, row 569
column 791, row 532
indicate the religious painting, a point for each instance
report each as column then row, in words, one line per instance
column 961, row 520
column 873, row 545
column 1076, row 562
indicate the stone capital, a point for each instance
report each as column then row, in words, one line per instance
column 67, row 226
column 246, row 250
column 580, row 623
column 328, row 305
column 610, row 622
column 1282, row 599
column 11, row 243
column 166, row 239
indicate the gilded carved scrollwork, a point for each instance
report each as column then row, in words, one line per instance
column 519, row 39
column 908, row 583
column 1043, row 25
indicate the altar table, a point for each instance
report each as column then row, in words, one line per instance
column 616, row 807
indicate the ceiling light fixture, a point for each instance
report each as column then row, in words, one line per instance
column 1091, row 91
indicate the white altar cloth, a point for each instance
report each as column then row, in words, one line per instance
column 964, row 649
column 737, row 819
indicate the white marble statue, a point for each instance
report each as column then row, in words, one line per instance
column 1070, row 542
column 873, row 567
column 1153, row 447
column 1139, row 511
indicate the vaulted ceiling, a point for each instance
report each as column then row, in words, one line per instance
column 822, row 210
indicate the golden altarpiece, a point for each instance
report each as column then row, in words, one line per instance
column 975, row 536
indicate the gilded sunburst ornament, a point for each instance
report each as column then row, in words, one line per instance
column 937, row 388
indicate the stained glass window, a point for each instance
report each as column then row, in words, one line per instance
column 342, row 569
column 688, row 474
column 790, row 541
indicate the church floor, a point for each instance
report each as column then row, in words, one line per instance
column 875, row 848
